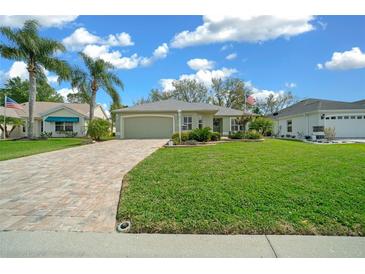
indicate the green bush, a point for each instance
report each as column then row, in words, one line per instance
column 200, row 134
column 236, row 135
column 215, row 136
column 98, row 128
column 252, row 134
column 262, row 125
column 184, row 137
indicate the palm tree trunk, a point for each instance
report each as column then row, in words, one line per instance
column 92, row 104
column 32, row 98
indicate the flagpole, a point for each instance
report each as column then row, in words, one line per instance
column 4, row 117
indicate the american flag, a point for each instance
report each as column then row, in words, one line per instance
column 250, row 100
column 10, row 103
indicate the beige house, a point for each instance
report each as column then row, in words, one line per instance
column 58, row 118
column 163, row 118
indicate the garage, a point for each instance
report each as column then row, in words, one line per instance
column 147, row 127
column 347, row 125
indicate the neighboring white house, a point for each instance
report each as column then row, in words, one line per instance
column 311, row 116
column 58, row 118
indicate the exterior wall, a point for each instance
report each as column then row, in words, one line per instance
column 99, row 113
column 78, row 127
column 345, row 128
column 196, row 116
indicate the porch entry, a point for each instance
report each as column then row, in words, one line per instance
column 218, row 125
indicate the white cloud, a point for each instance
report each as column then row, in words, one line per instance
column 82, row 37
column 122, row 39
column 44, row 21
column 159, row 53
column 227, row 46
column 202, row 76
column 243, row 29
column 200, row 64
column 231, row 56
column 123, row 62
column 18, row 69
column 79, row 38
column 352, row 59
column 262, row 94
column 65, row 91
column 290, row 85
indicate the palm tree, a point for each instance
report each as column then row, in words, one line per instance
column 38, row 53
column 97, row 77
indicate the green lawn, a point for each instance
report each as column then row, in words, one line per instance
column 20, row 148
column 273, row 187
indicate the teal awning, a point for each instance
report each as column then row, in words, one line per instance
column 62, row 119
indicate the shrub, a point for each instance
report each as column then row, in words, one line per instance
column 70, row 134
column 98, row 128
column 184, row 137
column 262, row 125
column 46, row 135
column 252, row 134
column 236, row 135
column 215, row 136
column 330, row 133
column 200, row 134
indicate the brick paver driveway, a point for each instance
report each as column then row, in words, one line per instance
column 75, row 189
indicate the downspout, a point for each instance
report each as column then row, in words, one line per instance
column 179, row 118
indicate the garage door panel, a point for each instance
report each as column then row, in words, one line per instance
column 148, row 127
column 348, row 128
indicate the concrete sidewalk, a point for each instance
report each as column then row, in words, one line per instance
column 89, row 244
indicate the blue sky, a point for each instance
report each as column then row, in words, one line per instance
column 271, row 54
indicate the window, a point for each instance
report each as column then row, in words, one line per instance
column 59, row 126
column 289, row 126
column 200, row 123
column 235, row 125
column 69, row 126
column 41, row 126
column 333, row 118
column 345, row 117
column 318, row 128
column 359, row 117
column 327, row 118
column 353, row 117
column 339, row 117
column 187, row 123
column 63, row 126
column 322, row 116
column 23, row 128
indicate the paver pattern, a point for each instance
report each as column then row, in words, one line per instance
column 75, row 189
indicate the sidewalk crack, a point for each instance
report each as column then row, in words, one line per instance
column 273, row 250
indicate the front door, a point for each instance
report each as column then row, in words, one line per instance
column 217, row 125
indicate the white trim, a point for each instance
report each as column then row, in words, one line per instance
column 145, row 115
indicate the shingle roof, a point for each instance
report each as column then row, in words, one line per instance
column 309, row 105
column 172, row 105
column 41, row 107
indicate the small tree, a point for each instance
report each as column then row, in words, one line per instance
column 98, row 128
column 330, row 133
column 14, row 122
column 262, row 125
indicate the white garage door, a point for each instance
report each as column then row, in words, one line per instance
column 148, row 127
column 348, row 126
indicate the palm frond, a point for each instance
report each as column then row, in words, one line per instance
column 12, row 53
column 115, row 79
column 89, row 62
column 56, row 65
